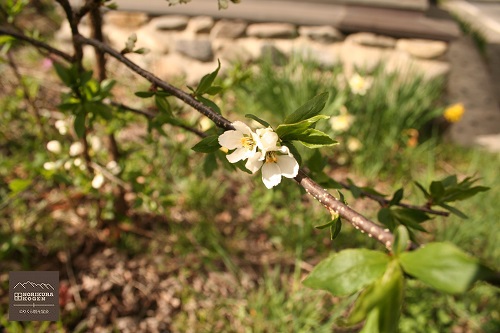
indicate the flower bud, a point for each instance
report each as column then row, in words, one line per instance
column 76, row 148
column 54, row 146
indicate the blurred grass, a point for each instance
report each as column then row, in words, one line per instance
column 230, row 224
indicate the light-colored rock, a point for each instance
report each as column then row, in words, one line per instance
column 170, row 22
column 491, row 142
column 362, row 57
column 324, row 33
column 231, row 51
column 128, row 20
column 171, row 66
column 371, row 39
column 421, row 48
column 228, row 29
column 272, row 30
column 156, row 41
column 199, row 49
column 324, row 55
column 252, row 45
column 433, row 69
column 200, row 24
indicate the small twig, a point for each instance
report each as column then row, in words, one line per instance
column 36, row 43
column 27, row 96
column 183, row 96
column 111, row 177
column 384, row 202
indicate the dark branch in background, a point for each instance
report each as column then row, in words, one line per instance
column 384, row 202
column 31, row 101
column 36, row 43
column 384, row 236
column 93, row 8
column 78, row 58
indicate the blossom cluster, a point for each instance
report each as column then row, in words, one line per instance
column 261, row 149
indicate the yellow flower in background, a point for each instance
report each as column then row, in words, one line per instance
column 454, row 113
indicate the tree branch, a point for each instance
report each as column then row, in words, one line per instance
column 383, row 202
column 183, row 96
column 36, row 43
column 360, row 222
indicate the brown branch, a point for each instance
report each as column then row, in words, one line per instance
column 36, row 43
column 26, row 93
column 360, row 222
column 384, row 202
column 183, row 96
column 73, row 23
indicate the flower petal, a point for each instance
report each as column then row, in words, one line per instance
column 239, row 154
column 267, row 139
column 288, row 166
column 254, row 163
column 242, row 127
column 271, row 175
column 230, row 139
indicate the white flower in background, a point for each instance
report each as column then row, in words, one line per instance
column 68, row 165
column 51, row 165
column 54, row 146
column 113, row 167
column 343, row 121
column 359, row 85
column 95, row 143
column 62, row 126
column 275, row 164
column 77, row 162
column 76, row 148
column 98, row 181
column 354, row 144
column 242, row 139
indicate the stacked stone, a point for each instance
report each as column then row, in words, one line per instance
column 190, row 46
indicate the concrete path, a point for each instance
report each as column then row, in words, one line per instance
column 475, row 78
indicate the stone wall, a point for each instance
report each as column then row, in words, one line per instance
column 190, row 46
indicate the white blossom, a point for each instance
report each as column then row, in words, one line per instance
column 54, row 146
column 76, row 148
column 98, row 181
column 95, row 143
column 113, row 167
column 275, row 164
column 62, row 126
column 51, row 165
column 241, row 139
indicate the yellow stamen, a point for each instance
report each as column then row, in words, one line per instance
column 271, row 157
column 247, row 142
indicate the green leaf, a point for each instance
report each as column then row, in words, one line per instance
column 316, row 163
column 290, row 131
column 313, row 138
column 381, row 302
column 144, row 94
column 444, row 267
column 19, row 185
column 385, row 217
column 396, row 198
column 209, row 144
column 401, row 240
column 310, row 109
column 410, row 217
column 335, row 228
column 348, row 271
column 209, row 103
column 163, row 105
column 424, row 191
column 257, row 119
column 437, row 190
column 207, row 81
column 210, row 164
column 79, row 124
column 454, row 211
column 214, row 90
column 63, row 73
